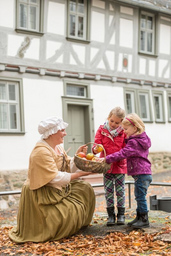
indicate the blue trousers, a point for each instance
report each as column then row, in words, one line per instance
column 142, row 183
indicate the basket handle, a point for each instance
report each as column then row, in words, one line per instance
column 99, row 145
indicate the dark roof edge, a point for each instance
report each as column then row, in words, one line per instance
column 146, row 5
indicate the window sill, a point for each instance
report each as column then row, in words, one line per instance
column 148, row 54
column 78, row 40
column 25, row 31
column 160, row 122
column 12, row 133
column 149, row 122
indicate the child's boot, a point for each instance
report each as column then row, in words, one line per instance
column 111, row 214
column 121, row 216
column 143, row 221
column 135, row 220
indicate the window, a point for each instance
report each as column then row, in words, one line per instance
column 29, row 15
column 130, row 102
column 144, row 108
column 158, row 106
column 137, row 101
column 147, row 33
column 78, row 19
column 10, row 107
column 169, row 107
column 77, row 91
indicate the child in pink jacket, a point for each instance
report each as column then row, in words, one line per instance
column 112, row 137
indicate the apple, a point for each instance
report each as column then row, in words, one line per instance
column 81, row 154
column 89, row 156
column 99, row 149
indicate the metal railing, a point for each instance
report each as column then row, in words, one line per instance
column 98, row 185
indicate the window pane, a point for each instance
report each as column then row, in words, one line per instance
column 76, row 91
column 33, row 17
column 143, row 21
column 149, row 42
column 143, row 107
column 12, row 95
column 169, row 107
column 3, row 116
column 34, row 1
column 13, row 117
column 157, row 107
column 80, row 26
column 129, row 103
column 150, row 23
column 81, row 6
column 72, row 25
column 142, row 40
column 72, row 5
column 3, row 92
column 23, row 16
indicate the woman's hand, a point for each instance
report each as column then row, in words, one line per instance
column 79, row 174
column 83, row 149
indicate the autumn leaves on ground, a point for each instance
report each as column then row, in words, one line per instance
column 117, row 243
column 131, row 243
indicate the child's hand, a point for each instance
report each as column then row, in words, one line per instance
column 97, row 149
column 102, row 159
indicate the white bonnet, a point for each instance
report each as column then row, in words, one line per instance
column 51, row 125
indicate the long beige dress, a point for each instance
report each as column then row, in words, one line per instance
column 48, row 213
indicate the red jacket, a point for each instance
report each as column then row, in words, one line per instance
column 111, row 145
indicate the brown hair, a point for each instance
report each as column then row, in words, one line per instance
column 117, row 111
column 135, row 120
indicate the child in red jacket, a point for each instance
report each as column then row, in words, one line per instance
column 112, row 137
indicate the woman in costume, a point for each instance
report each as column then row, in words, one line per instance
column 54, row 203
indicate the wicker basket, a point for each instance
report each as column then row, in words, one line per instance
column 91, row 166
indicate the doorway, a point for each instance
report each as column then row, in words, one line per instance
column 79, row 115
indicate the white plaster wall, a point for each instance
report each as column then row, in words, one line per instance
column 97, row 27
column 80, row 52
column 51, row 48
column 164, row 39
column 164, row 68
column 126, row 33
column 14, row 43
column 7, row 10
column 160, row 141
column 42, row 98
column 104, row 102
column 56, row 18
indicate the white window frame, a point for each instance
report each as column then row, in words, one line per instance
column 159, row 95
column 77, row 85
column 146, row 32
column 78, row 14
column 17, row 102
column 136, row 105
column 39, row 13
column 132, row 101
column 169, row 106
column 147, row 105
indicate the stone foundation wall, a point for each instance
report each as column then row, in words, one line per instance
column 13, row 180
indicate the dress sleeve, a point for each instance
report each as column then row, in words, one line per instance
column 42, row 167
column 61, row 179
